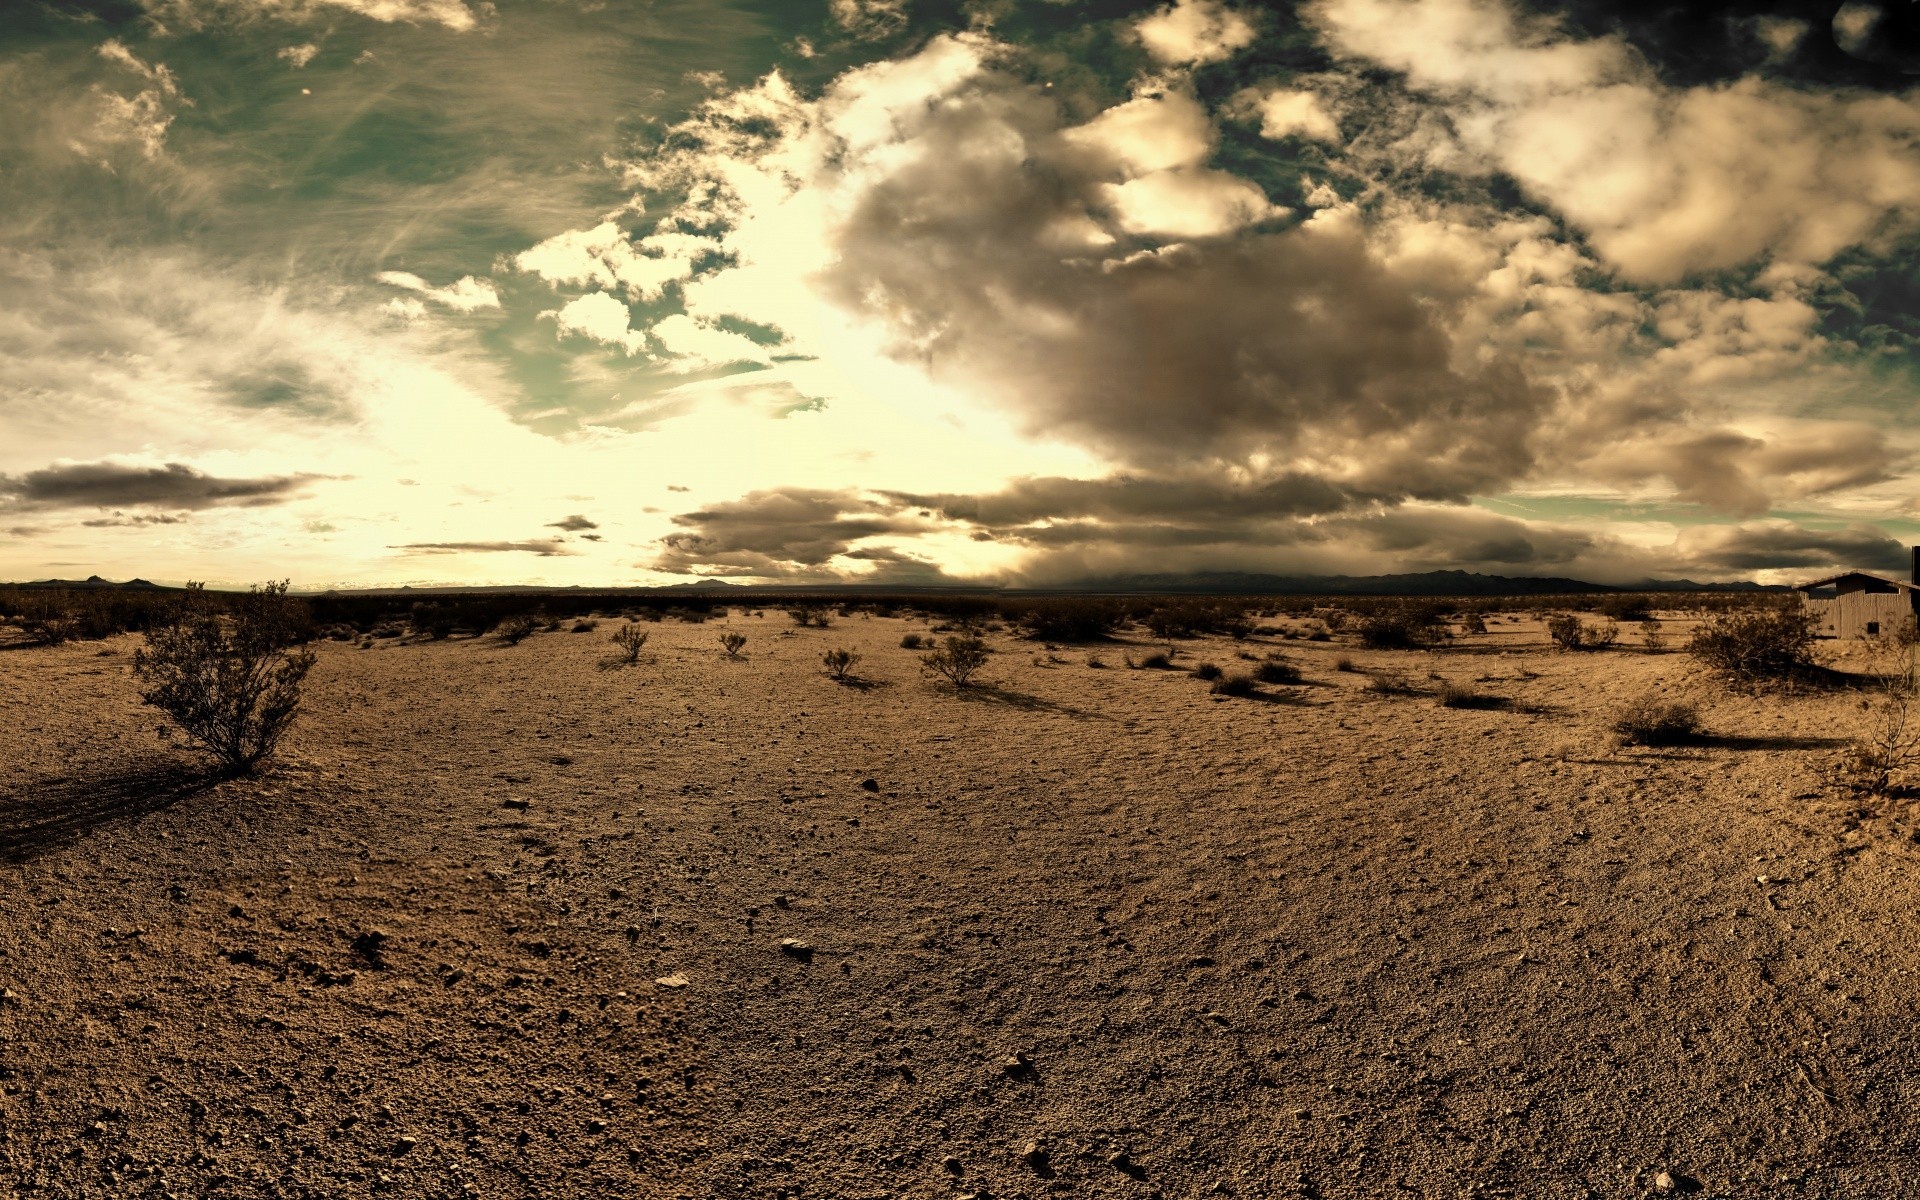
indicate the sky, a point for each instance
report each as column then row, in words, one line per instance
column 1021, row 292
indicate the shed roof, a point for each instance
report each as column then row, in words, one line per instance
column 1833, row 579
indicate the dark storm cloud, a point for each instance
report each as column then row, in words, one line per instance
column 1296, row 343
column 1126, row 497
column 778, row 532
column 573, row 524
column 548, row 548
column 1774, row 545
column 116, row 485
column 124, row 520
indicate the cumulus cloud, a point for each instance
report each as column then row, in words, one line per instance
column 298, row 56
column 1287, row 112
column 783, row 533
column 463, row 295
column 1194, row 32
column 869, row 18
column 112, row 484
column 1778, row 545
column 1666, row 181
column 606, row 257
column 601, row 318
column 573, row 524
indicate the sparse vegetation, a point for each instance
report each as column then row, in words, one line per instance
column 811, row 615
column 1882, row 759
column 1569, row 632
column 1756, row 645
column 230, row 681
column 1343, row 663
column 732, row 642
column 958, row 660
column 912, row 641
column 1207, row 670
column 1277, row 670
column 1402, row 627
column 630, row 639
column 1473, row 622
column 839, row 664
column 587, row 625
column 1157, row 660
column 1238, row 683
column 1068, row 618
column 1651, row 721
column 1460, row 695
column 516, row 628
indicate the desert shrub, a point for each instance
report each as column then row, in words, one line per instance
column 1389, row 683
column 1460, row 695
column 585, row 626
column 1277, row 670
column 731, row 643
column 1885, row 754
column 1343, row 663
column 1473, row 622
column 516, row 628
column 1068, row 618
column 1192, row 618
column 46, row 620
column 1401, row 627
column 1239, row 683
column 1096, row 662
column 958, row 660
column 1569, row 632
column 230, row 682
column 1207, row 670
column 630, row 639
column 433, row 621
column 1756, row 644
column 839, row 664
column 811, row 615
column 1158, row 660
column 1650, row 721
column 1628, row 607
column 1651, row 639
column 912, row 641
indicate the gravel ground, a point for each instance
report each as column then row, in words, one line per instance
column 503, row 923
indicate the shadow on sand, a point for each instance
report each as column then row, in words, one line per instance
column 39, row 816
column 982, row 693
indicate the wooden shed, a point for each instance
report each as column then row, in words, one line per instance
column 1855, row 604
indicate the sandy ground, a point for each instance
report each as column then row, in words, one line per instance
column 503, row 924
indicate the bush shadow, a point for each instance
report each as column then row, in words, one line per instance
column 44, row 814
column 986, row 693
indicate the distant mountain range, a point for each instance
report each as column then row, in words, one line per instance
column 94, row 581
column 1202, row 583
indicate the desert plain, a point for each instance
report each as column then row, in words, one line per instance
column 501, row 922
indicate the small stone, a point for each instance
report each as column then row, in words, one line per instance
column 1017, row 1065
column 951, row 1165
column 673, row 982
column 869, row 785
column 596, row 1126
column 1037, row 1157
column 795, row 948
column 405, row 1145
column 514, row 802
column 368, row 946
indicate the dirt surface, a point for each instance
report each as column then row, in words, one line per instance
column 505, row 924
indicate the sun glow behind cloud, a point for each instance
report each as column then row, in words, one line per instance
column 925, row 316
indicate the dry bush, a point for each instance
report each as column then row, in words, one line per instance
column 1569, row 632
column 516, row 628
column 1401, row 627
column 1650, row 721
column 630, row 639
column 1239, row 683
column 912, row 641
column 1390, row 683
column 46, row 620
column 231, row 683
column 1651, row 639
column 1473, row 622
column 731, row 643
column 1209, row 671
column 1158, row 660
column 1628, row 607
column 811, row 615
column 1069, row 618
column 958, row 660
column 1096, row 662
column 839, row 664
column 1756, row 644
column 1460, row 695
column 585, row 625
column 1277, row 670
column 1884, row 756
column 1343, row 663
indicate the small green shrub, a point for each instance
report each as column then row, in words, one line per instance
column 516, row 628
column 839, row 664
column 1209, row 671
column 731, row 643
column 1239, row 683
column 1277, row 670
column 1756, row 644
column 912, row 641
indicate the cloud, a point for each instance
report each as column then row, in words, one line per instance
column 1666, row 181
column 601, row 318
column 137, row 122
column 1780, row 544
column 547, row 548
column 109, row 484
column 463, row 295
column 298, row 56
column 573, row 524
column 605, row 256
column 138, row 520
column 199, row 14
column 780, row 533
column 1194, row 32
column 1287, row 112
column 869, row 19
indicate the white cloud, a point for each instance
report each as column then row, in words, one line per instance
column 601, row 318
column 1156, row 132
column 869, row 18
column 139, row 121
column 1284, row 112
column 1188, row 204
column 453, row 14
column 1194, row 32
column 299, row 56
column 605, row 257
column 1667, row 182
column 463, row 295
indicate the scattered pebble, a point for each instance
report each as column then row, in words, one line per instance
column 795, row 948
column 673, row 982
